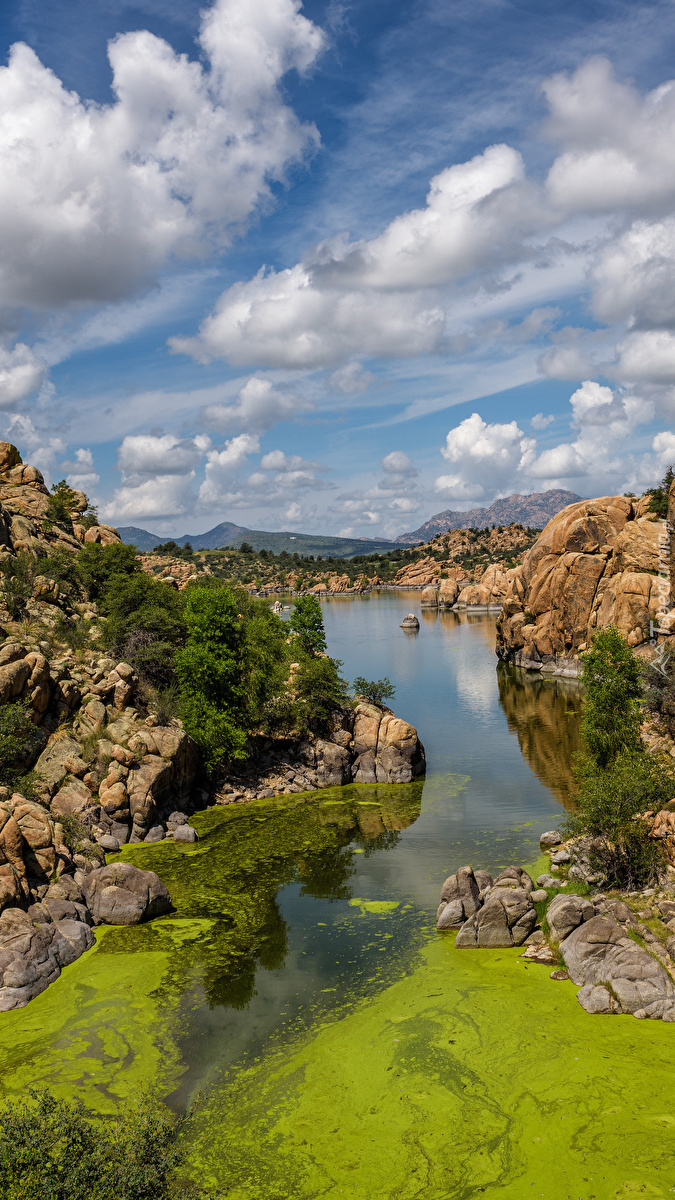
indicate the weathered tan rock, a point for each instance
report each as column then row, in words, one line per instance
column 592, row 566
column 448, row 592
column 429, row 597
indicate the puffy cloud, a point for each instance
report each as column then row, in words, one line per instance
column 21, row 373
column 487, row 458
column 162, row 497
column 352, row 379
column 95, row 198
column 258, row 406
column 539, row 421
column 601, row 452
column 81, row 473
column 223, row 468
column 284, row 319
column 633, row 276
column 291, row 470
column 404, row 504
column 324, row 310
column 398, row 463
column 38, row 446
column 293, row 513
column 146, row 456
column 648, row 356
column 618, row 145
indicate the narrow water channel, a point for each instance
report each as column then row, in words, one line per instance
column 339, row 1046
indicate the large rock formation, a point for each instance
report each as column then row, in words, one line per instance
column 596, row 563
column 365, row 745
column 24, row 509
column 491, row 913
column 615, row 974
column 50, row 896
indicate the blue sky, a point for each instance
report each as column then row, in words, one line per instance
column 336, row 267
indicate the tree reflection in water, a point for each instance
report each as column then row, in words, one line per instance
column 248, row 853
column 544, row 713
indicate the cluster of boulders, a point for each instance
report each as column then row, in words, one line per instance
column 366, row 744
column 596, row 563
column 620, row 952
column 490, row 912
column 484, row 595
column 51, row 896
column 102, row 760
column 178, row 572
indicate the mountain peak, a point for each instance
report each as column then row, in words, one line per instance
column 534, row 510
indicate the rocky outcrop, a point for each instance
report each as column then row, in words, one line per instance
column 121, row 894
column 24, row 511
column 596, row 563
column 615, row 974
column 366, row 745
column 33, row 953
column 488, row 592
column 51, row 895
column 491, row 913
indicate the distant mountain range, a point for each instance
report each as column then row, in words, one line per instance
column 227, row 534
column 534, row 510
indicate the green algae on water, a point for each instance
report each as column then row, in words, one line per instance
column 475, row 1075
column 379, row 907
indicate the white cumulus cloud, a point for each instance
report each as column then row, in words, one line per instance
column 95, row 198
column 258, row 406
column 486, row 458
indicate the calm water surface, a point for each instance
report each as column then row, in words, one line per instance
column 340, row 1046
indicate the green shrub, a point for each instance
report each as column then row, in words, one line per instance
column 612, row 679
column 607, row 803
column 99, row 565
column 211, row 674
column 307, row 624
column 659, row 681
column 18, row 739
column 75, row 634
column 617, row 777
column 319, row 690
column 74, row 831
column 659, row 495
column 17, row 573
column 138, row 603
column 376, row 691
column 50, row 1150
column 63, row 566
column 60, row 506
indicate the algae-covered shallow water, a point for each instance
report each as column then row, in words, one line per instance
column 341, row 1047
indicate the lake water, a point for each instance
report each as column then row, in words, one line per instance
column 339, row 1045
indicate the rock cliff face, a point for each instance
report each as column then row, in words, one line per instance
column 24, row 506
column 596, row 563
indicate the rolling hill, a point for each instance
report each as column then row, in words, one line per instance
column 227, row 534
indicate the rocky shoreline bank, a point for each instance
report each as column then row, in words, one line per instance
column 617, row 947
